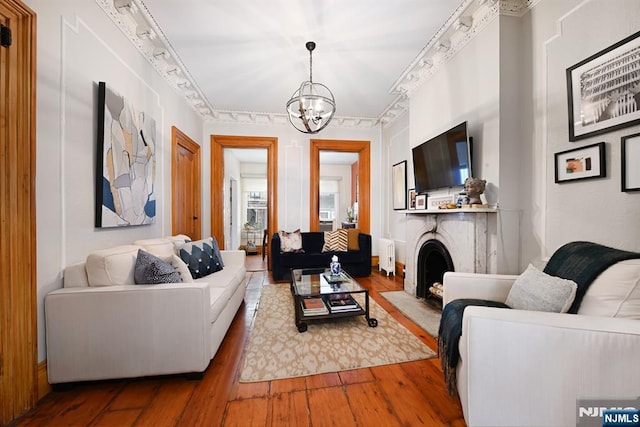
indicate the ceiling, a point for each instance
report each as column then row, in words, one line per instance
column 250, row 56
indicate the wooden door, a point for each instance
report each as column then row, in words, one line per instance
column 185, row 185
column 18, row 329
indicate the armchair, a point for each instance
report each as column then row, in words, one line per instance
column 522, row 367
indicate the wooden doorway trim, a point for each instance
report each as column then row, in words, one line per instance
column 181, row 142
column 18, row 285
column 218, row 144
column 363, row 148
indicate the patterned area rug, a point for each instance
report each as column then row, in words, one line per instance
column 423, row 313
column 277, row 350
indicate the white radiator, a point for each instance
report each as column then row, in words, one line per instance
column 387, row 261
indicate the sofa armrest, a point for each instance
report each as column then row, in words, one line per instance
column 233, row 257
column 127, row 331
column 548, row 360
column 492, row 287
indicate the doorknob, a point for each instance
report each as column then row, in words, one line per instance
column 195, row 217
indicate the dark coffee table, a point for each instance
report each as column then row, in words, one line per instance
column 314, row 288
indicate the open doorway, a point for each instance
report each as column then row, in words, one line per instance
column 359, row 181
column 219, row 144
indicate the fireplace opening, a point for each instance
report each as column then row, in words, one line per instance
column 433, row 261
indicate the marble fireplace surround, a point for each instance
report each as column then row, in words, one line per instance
column 470, row 238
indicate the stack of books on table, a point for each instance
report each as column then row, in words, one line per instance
column 342, row 303
column 314, row 307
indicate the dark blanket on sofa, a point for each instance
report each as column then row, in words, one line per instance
column 581, row 262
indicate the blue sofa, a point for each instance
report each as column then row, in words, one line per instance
column 356, row 263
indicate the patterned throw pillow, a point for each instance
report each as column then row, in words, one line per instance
column 290, row 242
column 151, row 270
column 337, row 240
column 200, row 257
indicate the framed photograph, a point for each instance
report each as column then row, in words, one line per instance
column 631, row 162
column 604, row 90
column 399, row 185
column 421, row 201
column 412, row 198
column 581, row 163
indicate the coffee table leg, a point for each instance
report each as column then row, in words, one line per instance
column 371, row 321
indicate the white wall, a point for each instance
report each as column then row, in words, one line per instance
column 293, row 168
column 562, row 34
column 78, row 46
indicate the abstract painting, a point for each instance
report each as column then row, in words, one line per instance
column 126, row 162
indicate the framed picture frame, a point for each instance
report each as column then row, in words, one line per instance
column 601, row 102
column 412, row 198
column 630, row 162
column 421, row 202
column 399, row 185
column 580, row 163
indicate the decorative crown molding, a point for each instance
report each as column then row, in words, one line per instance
column 471, row 17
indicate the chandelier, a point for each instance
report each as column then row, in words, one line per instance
column 311, row 107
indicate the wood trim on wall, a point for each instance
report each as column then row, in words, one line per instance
column 181, row 139
column 364, row 165
column 18, row 285
column 218, row 144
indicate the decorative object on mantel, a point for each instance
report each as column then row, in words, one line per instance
column 474, row 187
column 312, row 106
column 434, row 202
column 601, row 101
column 412, row 198
column 580, row 163
column 421, row 201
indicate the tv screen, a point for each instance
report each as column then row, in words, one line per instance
column 443, row 161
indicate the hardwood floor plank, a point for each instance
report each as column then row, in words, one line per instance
column 246, row 412
column 89, row 401
column 249, row 390
column 121, row 418
column 168, row 404
column 329, row 407
column 289, row 409
column 136, row 394
column 405, row 397
column 369, row 406
column 288, row 385
column 356, row 376
column 330, row 379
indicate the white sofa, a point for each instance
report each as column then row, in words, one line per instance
column 529, row 368
column 101, row 325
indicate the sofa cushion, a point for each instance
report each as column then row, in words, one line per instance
column 615, row 292
column 179, row 240
column 162, row 248
column 290, row 241
column 200, row 258
column 337, row 240
column 537, row 291
column 151, row 270
column 112, row 266
column 353, row 235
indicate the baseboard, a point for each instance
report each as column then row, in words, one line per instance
column 43, row 380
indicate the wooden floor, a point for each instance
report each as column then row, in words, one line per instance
column 407, row 394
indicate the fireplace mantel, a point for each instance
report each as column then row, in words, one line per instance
column 448, row 211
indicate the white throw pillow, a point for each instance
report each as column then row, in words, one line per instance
column 290, row 241
column 112, row 266
column 537, row 291
column 162, row 248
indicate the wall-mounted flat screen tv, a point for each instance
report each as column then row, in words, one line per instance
column 443, row 161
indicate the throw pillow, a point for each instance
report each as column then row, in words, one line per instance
column 200, row 258
column 151, row 270
column 537, row 291
column 290, row 241
column 182, row 269
column 216, row 250
column 336, row 241
column 353, row 244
